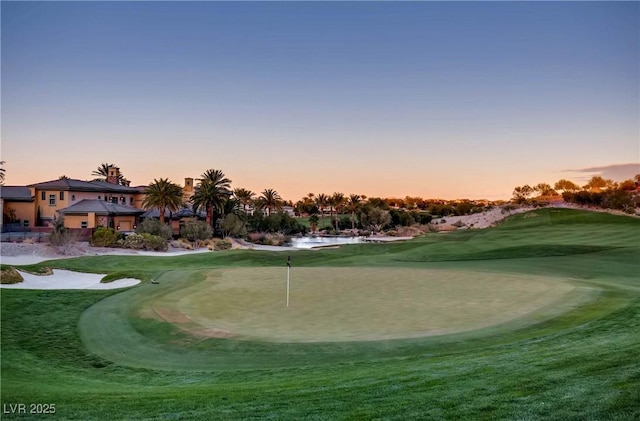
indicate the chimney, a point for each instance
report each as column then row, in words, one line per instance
column 113, row 175
column 188, row 185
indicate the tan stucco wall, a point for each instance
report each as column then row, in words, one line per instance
column 72, row 197
column 48, row 211
column 24, row 211
column 126, row 223
column 75, row 221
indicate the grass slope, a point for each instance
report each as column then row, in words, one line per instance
column 581, row 364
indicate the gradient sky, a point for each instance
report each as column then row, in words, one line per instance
column 428, row 99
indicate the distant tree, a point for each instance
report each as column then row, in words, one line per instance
column 597, row 182
column 322, row 200
column 374, row 218
column 337, row 201
column 245, row 198
column 163, row 194
column 521, row 194
column 378, row 202
column 154, row 227
column 353, row 204
column 566, row 185
column 211, row 193
column 271, row 200
column 313, row 221
column 2, row 172
column 63, row 177
column 234, row 225
column 627, row 185
column 545, row 189
column 102, row 174
column 196, row 231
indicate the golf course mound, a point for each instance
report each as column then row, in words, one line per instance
column 348, row 304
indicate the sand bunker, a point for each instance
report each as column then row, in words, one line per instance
column 66, row 279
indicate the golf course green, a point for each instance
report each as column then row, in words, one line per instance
column 538, row 318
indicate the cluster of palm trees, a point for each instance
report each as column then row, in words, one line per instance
column 336, row 203
column 212, row 194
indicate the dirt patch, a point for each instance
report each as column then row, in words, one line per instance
column 171, row 316
column 210, row 332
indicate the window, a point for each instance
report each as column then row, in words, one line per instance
column 131, row 200
column 114, row 200
column 43, row 195
column 123, row 200
column 83, row 224
column 52, row 200
column 61, row 195
column 25, row 223
column 99, row 197
column 73, row 198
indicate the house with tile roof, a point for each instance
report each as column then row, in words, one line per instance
column 84, row 204
column 91, row 213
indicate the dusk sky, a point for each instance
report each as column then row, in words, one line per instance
column 447, row 100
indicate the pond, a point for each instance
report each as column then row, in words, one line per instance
column 310, row 242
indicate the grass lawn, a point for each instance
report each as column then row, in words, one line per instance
column 327, row 222
column 538, row 318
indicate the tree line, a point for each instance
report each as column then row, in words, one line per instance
column 598, row 192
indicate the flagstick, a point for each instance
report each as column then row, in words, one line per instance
column 288, row 286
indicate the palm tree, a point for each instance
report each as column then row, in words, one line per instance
column 271, row 200
column 211, row 193
column 353, row 204
column 163, row 194
column 102, row 174
column 244, row 197
column 2, row 172
column 338, row 201
column 313, row 221
column 321, row 201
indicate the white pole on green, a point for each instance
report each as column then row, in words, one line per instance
column 288, row 267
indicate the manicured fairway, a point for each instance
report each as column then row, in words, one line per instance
column 536, row 319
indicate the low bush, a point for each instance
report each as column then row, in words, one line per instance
column 269, row 239
column 154, row 227
column 144, row 242
column 221, row 245
column 104, row 237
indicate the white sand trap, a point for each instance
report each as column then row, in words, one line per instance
column 66, row 279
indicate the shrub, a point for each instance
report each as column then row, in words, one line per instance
column 196, row 231
column 104, row 237
column 154, row 227
column 133, row 241
column 144, row 242
column 62, row 238
column 222, row 245
column 154, row 242
column 269, row 239
column 235, row 225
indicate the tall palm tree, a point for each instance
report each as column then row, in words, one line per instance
column 271, row 200
column 211, row 193
column 244, row 197
column 338, row 201
column 321, row 201
column 353, row 204
column 2, row 172
column 163, row 194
